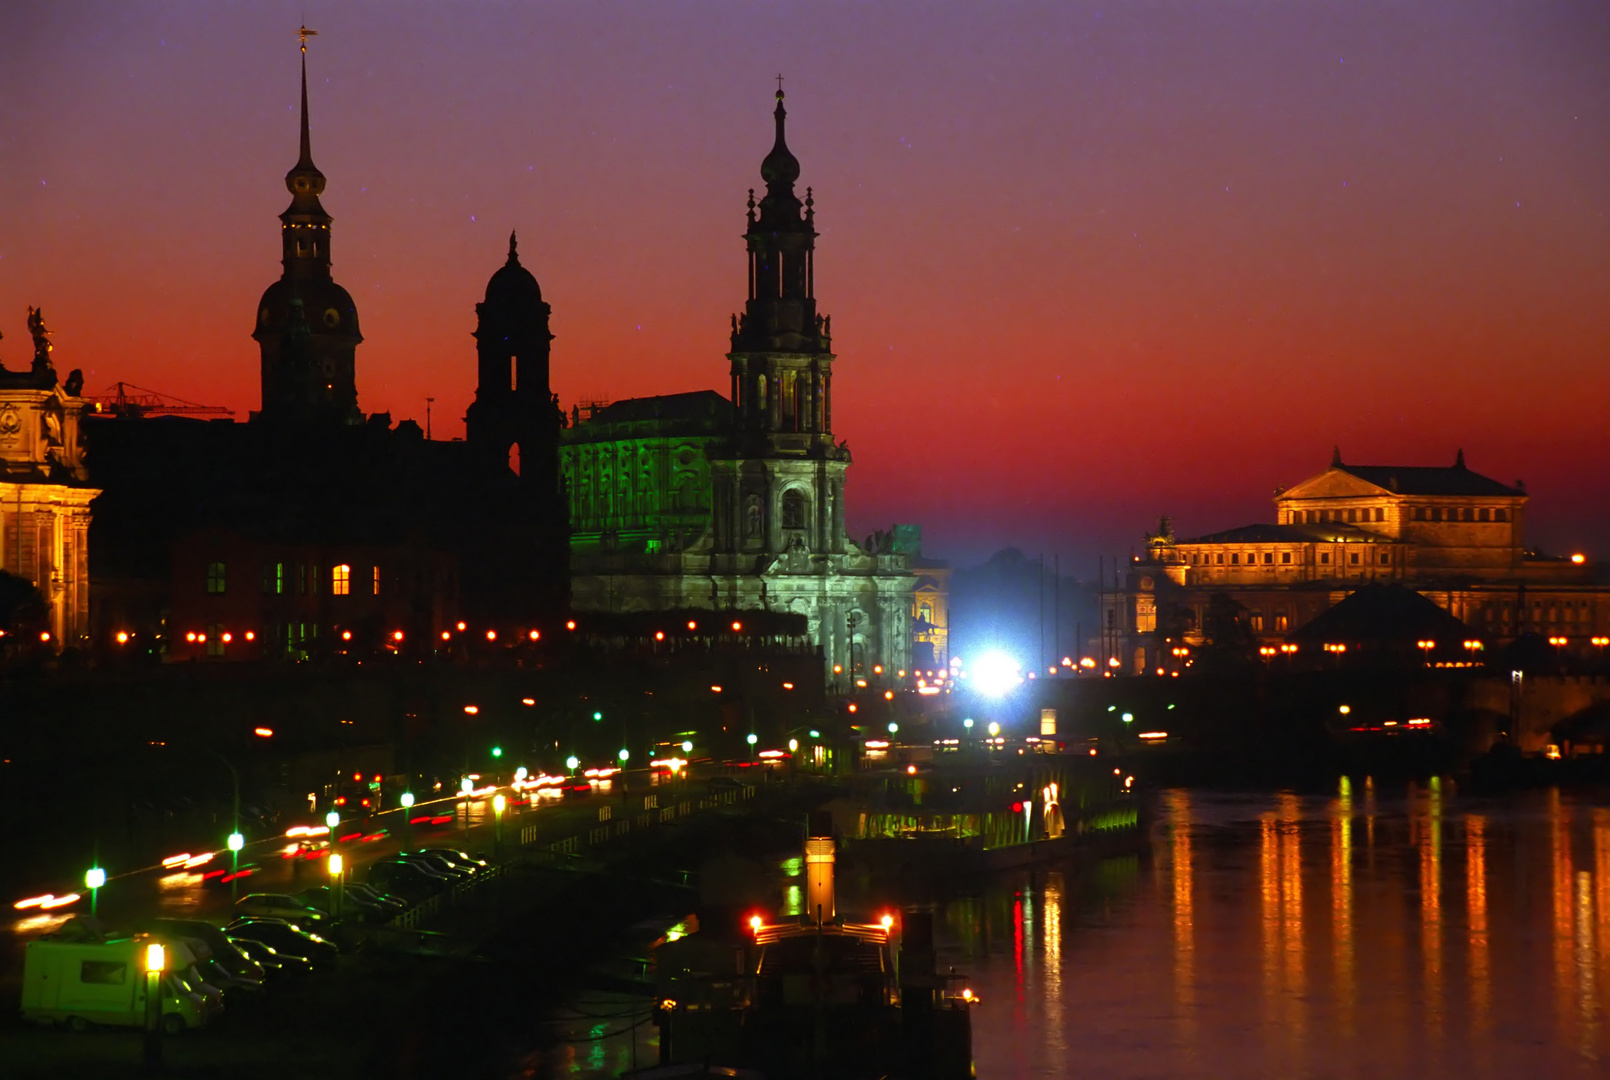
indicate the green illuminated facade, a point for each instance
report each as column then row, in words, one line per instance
column 704, row 501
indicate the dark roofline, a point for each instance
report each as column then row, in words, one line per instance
column 1328, row 532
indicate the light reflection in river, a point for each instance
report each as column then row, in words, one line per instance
column 1461, row 938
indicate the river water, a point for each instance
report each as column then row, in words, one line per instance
column 1373, row 932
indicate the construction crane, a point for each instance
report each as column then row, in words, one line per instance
column 116, row 400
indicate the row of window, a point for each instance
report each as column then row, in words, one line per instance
column 1362, row 514
column 1198, row 558
column 1460, row 513
column 1351, row 514
column 302, row 579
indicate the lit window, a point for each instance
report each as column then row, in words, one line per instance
column 274, row 579
column 215, row 640
column 215, row 578
column 376, row 587
column 340, row 580
column 1220, row 558
column 1380, row 513
column 1235, row 558
column 1324, row 557
column 1281, row 625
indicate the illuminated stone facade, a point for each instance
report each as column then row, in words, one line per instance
column 1450, row 534
column 701, row 501
column 44, row 489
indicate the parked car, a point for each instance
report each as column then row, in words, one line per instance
column 279, row 906
column 431, row 861
column 354, row 904
column 225, row 953
column 463, row 858
column 395, row 904
column 278, row 966
column 407, row 880
column 286, row 937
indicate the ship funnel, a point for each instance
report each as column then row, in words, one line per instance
column 819, row 866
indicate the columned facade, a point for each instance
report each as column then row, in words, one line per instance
column 44, row 489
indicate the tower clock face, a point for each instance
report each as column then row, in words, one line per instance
column 262, row 317
column 332, row 318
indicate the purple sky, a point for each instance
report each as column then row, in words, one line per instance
column 1087, row 263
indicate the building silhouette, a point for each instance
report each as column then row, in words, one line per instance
column 312, row 529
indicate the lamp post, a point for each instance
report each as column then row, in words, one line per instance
column 337, row 886
column 752, row 739
column 408, row 817
column 968, row 724
column 465, row 786
column 155, row 960
column 572, row 763
column 236, row 842
column 498, row 803
column 94, row 878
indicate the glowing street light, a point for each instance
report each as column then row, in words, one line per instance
column 156, row 960
column 94, row 878
column 571, row 763
column 498, row 803
column 687, row 746
column 624, row 754
column 893, row 727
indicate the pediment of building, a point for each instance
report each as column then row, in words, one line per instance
column 1332, row 484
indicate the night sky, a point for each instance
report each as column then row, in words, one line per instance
column 1087, row 262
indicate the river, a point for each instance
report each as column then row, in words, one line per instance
column 1382, row 932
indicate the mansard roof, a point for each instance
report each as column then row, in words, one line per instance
column 1328, row 532
column 1429, row 480
column 1371, row 481
column 697, row 405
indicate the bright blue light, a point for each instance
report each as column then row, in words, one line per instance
column 995, row 674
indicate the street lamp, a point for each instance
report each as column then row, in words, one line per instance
column 498, row 803
column 1425, row 646
column 752, row 739
column 687, row 746
column 624, row 754
column 407, row 801
column 94, row 877
column 337, row 883
column 235, row 843
column 571, row 763
column 155, row 960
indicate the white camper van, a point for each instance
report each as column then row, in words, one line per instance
column 80, row 983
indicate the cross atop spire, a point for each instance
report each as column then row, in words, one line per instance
column 779, row 86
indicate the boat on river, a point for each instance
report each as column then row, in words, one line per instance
column 812, row 996
column 941, row 817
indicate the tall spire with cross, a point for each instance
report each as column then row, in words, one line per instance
column 315, row 379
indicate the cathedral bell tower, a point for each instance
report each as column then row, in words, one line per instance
column 785, row 477
column 781, row 348
column 513, row 424
column 307, row 325
column 514, row 409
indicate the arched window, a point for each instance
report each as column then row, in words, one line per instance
column 793, row 510
column 340, row 580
